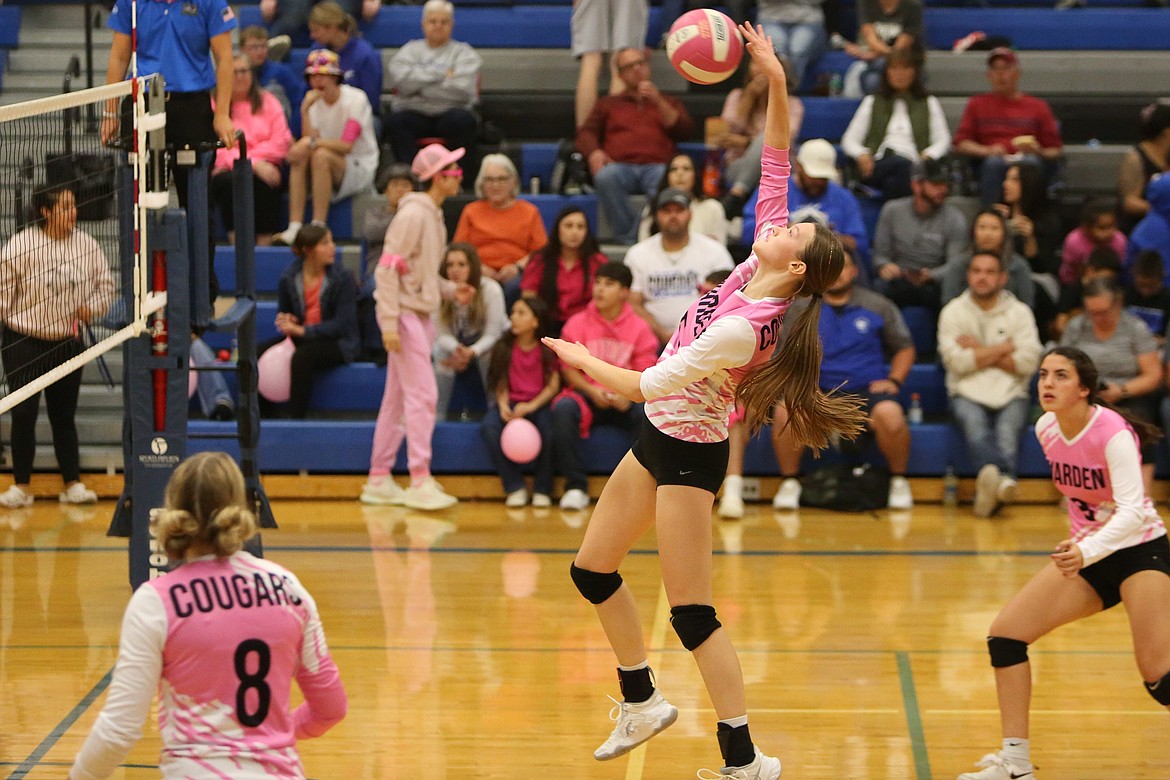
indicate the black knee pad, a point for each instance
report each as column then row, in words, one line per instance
column 694, row 623
column 595, row 586
column 1160, row 690
column 1006, row 652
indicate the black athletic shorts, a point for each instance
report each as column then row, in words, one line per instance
column 1107, row 574
column 673, row 461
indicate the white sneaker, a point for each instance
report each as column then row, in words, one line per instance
column 788, row 496
column 516, row 499
column 996, row 767
column 575, row 500
column 541, row 501
column 77, row 493
column 900, row 496
column 428, row 496
column 1006, row 490
column 731, row 504
column 15, row 497
column 761, row 768
column 288, row 236
column 278, row 47
column 634, row 724
column 986, row 490
column 385, row 493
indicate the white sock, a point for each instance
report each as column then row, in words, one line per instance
column 732, row 485
column 1017, row 751
column 635, row 667
column 735, row 722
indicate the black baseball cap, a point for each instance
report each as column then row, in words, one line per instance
column 928, row 169
column 672, row 195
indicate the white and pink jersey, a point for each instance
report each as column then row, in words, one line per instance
column 221, row 640
column 1100, row 471
column 724, row 335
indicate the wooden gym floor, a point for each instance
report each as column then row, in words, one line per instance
column 467, row 653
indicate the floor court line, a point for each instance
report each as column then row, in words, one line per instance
column 59, row 730
column 913, row 717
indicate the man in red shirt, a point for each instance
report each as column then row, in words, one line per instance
column 628, row 139
column 1006, row 126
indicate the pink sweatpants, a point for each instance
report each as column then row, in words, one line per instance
column 408, row 402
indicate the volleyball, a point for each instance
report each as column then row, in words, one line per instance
column 520, row 441
column 704, row 46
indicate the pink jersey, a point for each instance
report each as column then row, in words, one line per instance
column 222, row 640
column 1099, row 470
column 724, row 335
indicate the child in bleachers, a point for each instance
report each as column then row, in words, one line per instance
column 1097, row 230
column 318, row 310
column 713, row 280
column 1100, row 263
column 398, row 181
column 467, row 332
column 561, row 274
column 524, row 377
column 1146, row 296
column 285, row 85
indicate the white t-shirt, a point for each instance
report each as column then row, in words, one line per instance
column 668, row 281
column 330, row 121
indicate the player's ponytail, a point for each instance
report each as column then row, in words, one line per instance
column 205, row 505
column 792, row 376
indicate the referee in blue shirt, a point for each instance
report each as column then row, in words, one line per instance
column 178, row 38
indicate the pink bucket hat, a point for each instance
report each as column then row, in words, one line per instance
column 322, row 61
column 432, row 159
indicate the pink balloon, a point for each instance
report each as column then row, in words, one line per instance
column 275, row 372
column 520, row 441
column 192, row 378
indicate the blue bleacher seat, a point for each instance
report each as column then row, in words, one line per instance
column 9, row 28
column 537, row 159
column 827, row 117
column 551, row 205
column 923, row 325
column 1087, row 29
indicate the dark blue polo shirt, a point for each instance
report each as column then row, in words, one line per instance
column 174, row 39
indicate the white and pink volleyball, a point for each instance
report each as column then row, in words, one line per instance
column 704, row 46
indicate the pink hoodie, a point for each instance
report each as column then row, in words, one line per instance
column 625, row 341
column 266, row 131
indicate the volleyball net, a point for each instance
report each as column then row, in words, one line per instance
column 71, row 288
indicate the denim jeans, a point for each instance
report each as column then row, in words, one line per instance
column 992, row 435
column 615, row 183
column 510, row 474
column 567, row 442
column 802, row 44
column 211, row 387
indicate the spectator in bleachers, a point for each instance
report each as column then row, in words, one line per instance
column 337, row 154
column 408, row 292
column 610, row 329
column 317, row 309
column 1146, row 159
column 599, row 27
column 562, row 273
column 502, row 227
column 1153, row 231
column 1146, row 296
column 917, row 238
column 1126, row 354
column 895, row 126
column 989, row 233
column 861, row 331
column 1101, row 263
column 815, row 195
column 1097, row 230
column 883, row 25
column 707, row 216
column 466, row 332
column 215, row 399
column 290, row 17
column 1033, row 221
column 1005, row 122
column 258, row 114
column 524, row 379
column 628, row 139
column 361, row 64
column 668, row 267
column 286, row 85
column 435, row 81
column 744, row 111
column 797, row 30
column 53, row 277
column 376, row 221
column 990, row 348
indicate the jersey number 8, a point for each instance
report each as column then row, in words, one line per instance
column 253, row 681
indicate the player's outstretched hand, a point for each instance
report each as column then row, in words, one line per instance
column 759, row 46
column 572, row 353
